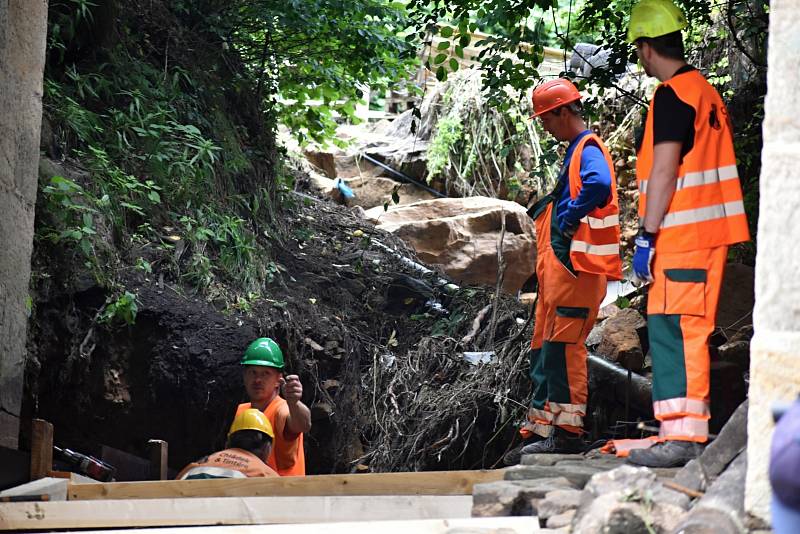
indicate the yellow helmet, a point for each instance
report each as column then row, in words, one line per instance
column 654, row 18
column 252, row 419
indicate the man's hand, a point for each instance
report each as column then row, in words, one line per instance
column 566, row 227
column 643, row 258
column 292, row 388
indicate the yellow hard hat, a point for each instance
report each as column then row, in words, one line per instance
column 252, row 419
column 654, row 18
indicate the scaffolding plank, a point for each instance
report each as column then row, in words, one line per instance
column 479, row 525
column 424, row 483
column 229, row 511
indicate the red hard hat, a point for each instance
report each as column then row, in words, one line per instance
column 552, row 95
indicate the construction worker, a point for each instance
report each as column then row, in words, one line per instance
column 263, row 378
column 249, row 443
column 690, row 211
column 577, row 230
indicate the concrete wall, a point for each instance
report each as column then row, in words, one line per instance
column 775, row 350
column 23, row 30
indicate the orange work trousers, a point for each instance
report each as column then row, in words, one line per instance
column 566, row 310
column 681, row 315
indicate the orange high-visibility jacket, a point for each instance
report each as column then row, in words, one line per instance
column 706, row 210
column 595, row 244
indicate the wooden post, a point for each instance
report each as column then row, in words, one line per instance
column 158, row 459
column 41, row 449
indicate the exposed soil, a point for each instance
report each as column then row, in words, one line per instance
column 353, row 323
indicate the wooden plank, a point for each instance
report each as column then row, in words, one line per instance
column 228, row 511
column 158, row 459
column 482, row 525
column 425, row 483
column 41, row 448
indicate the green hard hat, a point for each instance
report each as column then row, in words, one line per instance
column 263, row 351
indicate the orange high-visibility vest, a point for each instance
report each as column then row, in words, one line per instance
column 595, row 244
column 286, row 457
column 706, row 210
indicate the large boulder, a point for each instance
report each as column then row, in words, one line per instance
column 620, row 339
column 461, row 235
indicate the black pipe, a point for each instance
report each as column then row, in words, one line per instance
column 638, row 390
column 403, row 176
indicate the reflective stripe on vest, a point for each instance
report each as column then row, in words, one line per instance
column 694, row 179
column 595, row 244
column 707, row 208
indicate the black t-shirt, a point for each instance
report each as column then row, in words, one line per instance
column 673, row 119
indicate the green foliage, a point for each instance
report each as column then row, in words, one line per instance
column 312, row 58
column 122, row 309
column 448, row 133
column 73, row 209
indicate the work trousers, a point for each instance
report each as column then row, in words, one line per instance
column 681, row 315
column 566, row 309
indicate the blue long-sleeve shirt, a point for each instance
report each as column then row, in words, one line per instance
column 596, row 188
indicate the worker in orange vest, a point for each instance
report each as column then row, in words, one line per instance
column 290, row 418
column 249, row 444
column 690, row 211
column 577, row 231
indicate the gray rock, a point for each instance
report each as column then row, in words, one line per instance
column 548, row 459
column 623, row 512
column 504, row 498
column 722, row 507
column 560, row 520
column 577, row 475
column 732, row 440
column 558, row 501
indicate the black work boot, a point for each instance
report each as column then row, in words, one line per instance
column 560, row 441
column 671, row 453
column 514, row 456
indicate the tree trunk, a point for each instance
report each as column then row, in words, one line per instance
column 23, row 32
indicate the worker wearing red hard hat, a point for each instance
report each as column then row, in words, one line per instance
column 577, row 230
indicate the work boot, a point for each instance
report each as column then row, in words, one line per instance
column 514, row 456
column 560, row 441
column 671, row 453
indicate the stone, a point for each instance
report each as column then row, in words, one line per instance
column 460, row 235
column 503, row 498
column 548, row 459
column 639, row 480
column 577, row 475
column 558, row 501
column 371, row 192
column 620, row 339
column 324, row 161
column 626, row 513
column 563, row 519
column 722, row 507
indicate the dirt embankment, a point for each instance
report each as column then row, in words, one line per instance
column 381, row 364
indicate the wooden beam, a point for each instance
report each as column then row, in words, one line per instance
column 424, row 483
column 158, row 459
column 41, row 449
column 228, row 511
column 472, row 525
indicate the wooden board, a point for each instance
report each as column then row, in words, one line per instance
column 473, row 525
column 424, row 483
column 41, row 448
column 228, row 511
